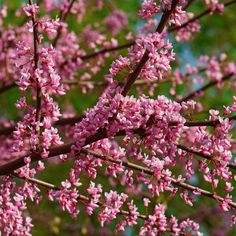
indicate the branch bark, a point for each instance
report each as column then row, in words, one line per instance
column 36, row 61
column 142, row 169
column 8, row 168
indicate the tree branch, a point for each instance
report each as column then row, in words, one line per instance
column 150, row 172
column 36, row 61
column 75, row 119
column 205, row 87
column 8, row 168
column 201, row 154
column 204, row 13
column 133, row 76
column 80, row 196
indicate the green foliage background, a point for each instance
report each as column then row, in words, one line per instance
column 218, row 34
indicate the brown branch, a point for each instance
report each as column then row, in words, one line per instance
column 66, row 148
column 104, row 83
column 36, row 61
column 189, row 3
column 75, row 119
column 205, row 87
column 80, row 196
column 61, row 122
column 127, row 45
column 212, row 123
column 146, row 170
column 7, row 87
column 133, row 76
column 201, row 154
column 139, row 168
column 204, row 13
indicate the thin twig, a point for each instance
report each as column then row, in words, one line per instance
column 80, row 196
column 204, row 13
column 146, row 170
column 205, row 87
column 7, row 87
column 201, row 154
column 189, row 3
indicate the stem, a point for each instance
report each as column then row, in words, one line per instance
column 9, row 167
column 127, row 45
column 7, row 87
column 75, row 119
column 205, row 87
column 80, row 196
column 201, row 154
column 150, row 172
column 36, row 61
column 204, row 13
column 189, row 3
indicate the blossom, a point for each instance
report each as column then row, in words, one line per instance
column 160, row 55
column 149, row 8
column 116, row 21
column 31, row 9
column 111, row 206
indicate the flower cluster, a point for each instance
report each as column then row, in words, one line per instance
column 12, row 219
column 116, row 21
column 160, row 54
column 149, row 8
column 186, row 33
column 215, row 6
column 37, row 69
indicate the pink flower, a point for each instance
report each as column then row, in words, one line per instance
column 149, row 9
column 116, row 21
column 31, row 9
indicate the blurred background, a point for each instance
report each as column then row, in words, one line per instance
column 217, row 35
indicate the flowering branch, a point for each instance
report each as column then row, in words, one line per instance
column 153, row 131
column 131, row 43
column 205, row 87
column 201, row 154
column 10, row 167
column 65, row 149
column 204, row 13
column 36, row 61
column 178, row 183
column 80, row 196
column 133, row 76
column 133, row 167
column 73, row 120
